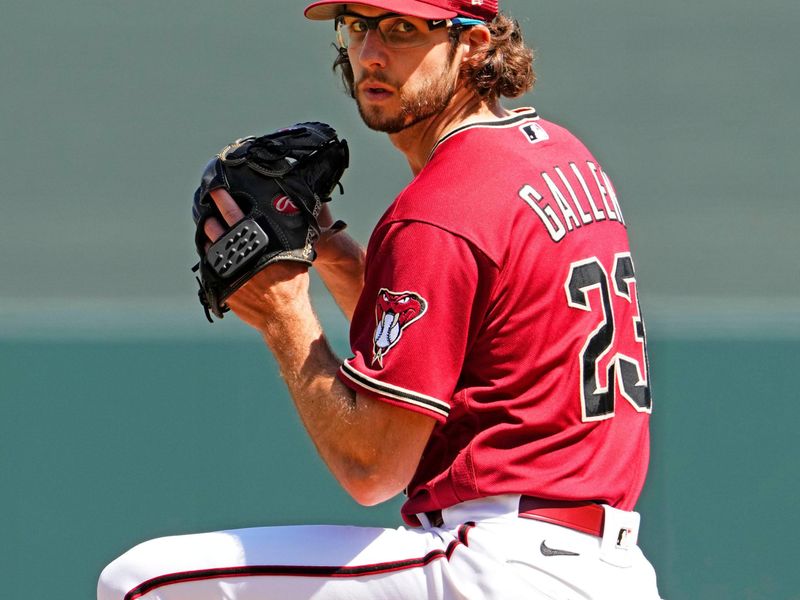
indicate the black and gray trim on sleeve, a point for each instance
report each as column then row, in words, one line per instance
column 393, row 392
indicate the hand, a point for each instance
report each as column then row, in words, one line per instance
column 272, row 291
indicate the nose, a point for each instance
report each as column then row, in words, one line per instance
column 373, row 51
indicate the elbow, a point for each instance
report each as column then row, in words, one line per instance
column 379, row 458
column 372, row 485
column 372, row 495
column 367, row 495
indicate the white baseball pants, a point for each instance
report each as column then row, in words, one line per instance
column 483, row 551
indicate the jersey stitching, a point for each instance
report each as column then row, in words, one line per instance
column 529, row 114
column 389, row 221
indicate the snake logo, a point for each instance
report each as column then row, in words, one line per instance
column 394, row 312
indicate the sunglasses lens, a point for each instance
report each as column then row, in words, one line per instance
column 396, row 31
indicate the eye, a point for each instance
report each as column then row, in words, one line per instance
column 404, row 300
column 358, row 26
column 402, row 26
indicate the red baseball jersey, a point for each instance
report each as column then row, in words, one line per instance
column 500, row 299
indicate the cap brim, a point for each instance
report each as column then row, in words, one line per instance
column 328, row 9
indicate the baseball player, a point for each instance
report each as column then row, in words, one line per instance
column 498, row 374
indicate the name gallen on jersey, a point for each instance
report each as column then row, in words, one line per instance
column 558, row 215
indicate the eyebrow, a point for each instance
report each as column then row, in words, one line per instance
column 347, row 11
column 386, row 14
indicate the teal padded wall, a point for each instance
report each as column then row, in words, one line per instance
column 109, row 432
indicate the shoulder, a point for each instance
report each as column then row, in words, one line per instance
column 471, row 184
column 517, row 134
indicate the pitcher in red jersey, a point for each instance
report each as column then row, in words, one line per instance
column 498, row 374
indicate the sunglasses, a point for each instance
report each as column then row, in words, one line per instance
column 396, row 31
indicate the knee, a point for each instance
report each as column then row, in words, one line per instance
column 109, row 585
column 118, row 578
column 124, row 574
column 146, row 565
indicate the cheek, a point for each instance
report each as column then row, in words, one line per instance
column 352, row 56
column 435, row 65
column 428, row 76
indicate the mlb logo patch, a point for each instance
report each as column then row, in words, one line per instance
column 534, row 133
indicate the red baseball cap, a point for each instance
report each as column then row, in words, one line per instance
column 484, row 10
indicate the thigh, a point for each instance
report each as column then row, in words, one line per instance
column 321, row 562
column 315, row 562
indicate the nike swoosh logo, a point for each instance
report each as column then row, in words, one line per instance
column 548, row 551
column 436, row 23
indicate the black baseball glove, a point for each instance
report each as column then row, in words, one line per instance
column 279, row 181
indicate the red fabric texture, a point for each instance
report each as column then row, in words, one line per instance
column 496, row 356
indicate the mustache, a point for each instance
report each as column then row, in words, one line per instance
column 376, row 77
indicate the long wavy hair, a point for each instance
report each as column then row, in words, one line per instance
column 503, row 67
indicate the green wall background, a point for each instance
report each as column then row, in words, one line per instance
column 109, row 433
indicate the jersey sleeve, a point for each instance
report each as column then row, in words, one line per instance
column 412, row 325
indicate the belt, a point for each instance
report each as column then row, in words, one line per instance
column 586, row 517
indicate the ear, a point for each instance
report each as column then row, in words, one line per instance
column 475, row 39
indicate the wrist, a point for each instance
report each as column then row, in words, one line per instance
column 278, row 293
column 339, row 249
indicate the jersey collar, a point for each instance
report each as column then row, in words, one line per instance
column 519, row 115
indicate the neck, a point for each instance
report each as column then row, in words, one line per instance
column 417, row 141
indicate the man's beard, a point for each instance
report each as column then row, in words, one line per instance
column 430, row 100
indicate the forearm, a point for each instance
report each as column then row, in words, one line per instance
column 309, row 368
column 340, row 264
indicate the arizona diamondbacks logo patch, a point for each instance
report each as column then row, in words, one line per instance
column 394, row 312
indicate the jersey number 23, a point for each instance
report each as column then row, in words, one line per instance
column 615, row 351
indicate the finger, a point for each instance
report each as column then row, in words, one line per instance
column 337, row 227
column 227, row 206
column 324, row 218
column 213, row 229
column 329, row 232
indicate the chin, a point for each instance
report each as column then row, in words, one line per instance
column 376, row 119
